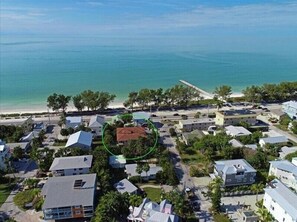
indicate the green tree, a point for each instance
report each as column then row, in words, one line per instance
column 252, row 94
column 64, row 132
column 58, row 101
column 215, row 193
column 113, row 206
column 144, row 97
column 257, row 187
column 104, row 99
column 78, row 102
column 264, row 215
column 132, row 99
column 146, row 168
column 135, row 200
column 89, row 99
column 18, row 152
column 294, row 127
column 223, row 92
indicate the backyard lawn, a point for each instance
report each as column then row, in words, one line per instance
column 5, row 190
column 154, row 194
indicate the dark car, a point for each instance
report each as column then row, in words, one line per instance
column 153, row 115
column 175, row 114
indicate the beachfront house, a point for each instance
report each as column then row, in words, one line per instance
column 286, row 150
column 234, row 172
column 285, row 171
column 234, row 117
column 275, row 140
column 150, row 175
column 290, row 108
column 73, row 122
column 4, row 154
column 125, row 186
column 280, row 201
column 96, row 124
column 189, row 125
column 236, row 131
column 74, row 165
column 117, row 161
column 141, row 118
column 125, row 134
column 69, row 197
column 149, row 211
column 80, row 139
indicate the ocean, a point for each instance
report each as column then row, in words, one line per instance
column 32, row 69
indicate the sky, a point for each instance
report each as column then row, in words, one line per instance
column 224, row 21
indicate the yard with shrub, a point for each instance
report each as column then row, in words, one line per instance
column 154, row 194
column 28, row 196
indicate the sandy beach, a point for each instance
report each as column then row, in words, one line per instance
column 41, row 108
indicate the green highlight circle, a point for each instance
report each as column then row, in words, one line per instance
column 138, row 157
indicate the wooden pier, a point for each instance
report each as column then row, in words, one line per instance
column 203, row 93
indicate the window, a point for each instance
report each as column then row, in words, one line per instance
column 80, row 168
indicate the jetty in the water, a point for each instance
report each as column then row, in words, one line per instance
column 203, row 93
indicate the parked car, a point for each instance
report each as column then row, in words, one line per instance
column 175, row 114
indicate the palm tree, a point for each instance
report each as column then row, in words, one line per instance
column 264, row 215
column 146, row 168
column 139, row 169
column 257, row 188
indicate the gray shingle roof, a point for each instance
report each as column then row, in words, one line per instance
column 96, row 121
column 125, row 186
column 63, row 163
column 60, row 191
column 229, row 166
column 80, row 137
column 286, row 198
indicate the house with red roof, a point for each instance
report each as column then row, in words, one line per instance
column 124, row 134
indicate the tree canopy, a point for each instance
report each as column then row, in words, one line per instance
column 58, row 101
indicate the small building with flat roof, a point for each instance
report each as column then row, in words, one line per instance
column 125, row 186
column 280, row 201
column 276, row 140
column 234, row 117
column 235, row 172
column 118, row 161
column 235, row 131
column 80, row 139
column 73, row 121
column 290, row 108
column 69, row 197
column 73, row 165
column 189, row 125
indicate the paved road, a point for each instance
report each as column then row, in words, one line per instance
column 182, row 172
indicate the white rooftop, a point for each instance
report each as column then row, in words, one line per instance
column 193, row 121
column 119, row 159
column 97, row 121
column 125, row 186
column 63, row 163
column 275, row 139
column 237, row 131
column 80, row 137
column 286, row 198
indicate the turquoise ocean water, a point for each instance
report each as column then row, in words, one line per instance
column 30, row 70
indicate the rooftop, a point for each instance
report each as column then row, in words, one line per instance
column 285, row 165
column 201, row 120
column 291, row 104
column 235, row 143
column 237, row 112
column 131, row 169
column 194, row 134
column 287, row 150
column 275, row 139
column 130, row 133
column 74, row 119
column 141, row 115
column 237, row 131
column 125, row 186
column 96, row 121
column 63, row 163
column 283, row 196
column 117, row 159
column 232, row 166
column 69, row 191
column 80, row 137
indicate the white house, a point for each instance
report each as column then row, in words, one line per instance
column 276, row 140
column 290, row 108
column 4, row 154
column 189, row 125
column 286, row 150
column 285, row 171
column 74, row 165
column 118, row 161
column 73, row 121
column 80, row 139
column 125, row 186
column 151, row 174
column 235, row 131
column 96, row 124
column 280, row 201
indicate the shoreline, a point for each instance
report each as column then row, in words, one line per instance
column 43, row 108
